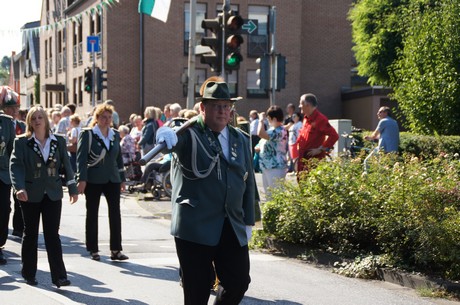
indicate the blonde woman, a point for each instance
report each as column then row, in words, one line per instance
column 147, row 140
column 100, row 171
column 35, row 162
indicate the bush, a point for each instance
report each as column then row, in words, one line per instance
column 428, row 146
column 404, row 207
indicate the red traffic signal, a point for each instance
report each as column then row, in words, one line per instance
column 233, row 41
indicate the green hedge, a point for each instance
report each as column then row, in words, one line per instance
column 428, row 146
column 405, row 207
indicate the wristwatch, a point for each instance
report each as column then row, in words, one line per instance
column 325, row 149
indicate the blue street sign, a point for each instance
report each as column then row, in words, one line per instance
column 92, row 44
column 250, row 27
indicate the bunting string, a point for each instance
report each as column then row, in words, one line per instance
column 77, row 19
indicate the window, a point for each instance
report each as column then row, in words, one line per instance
column 75, row 91
column 200, row 77
column 258, row 44
column 233, row 7
column 199, row 32
column 253, row 90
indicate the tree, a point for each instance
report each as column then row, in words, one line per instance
column 4, row 77
column 6, row 62
column 413, row 46
column 425, row 79
column 37, row 89
column 377, row 35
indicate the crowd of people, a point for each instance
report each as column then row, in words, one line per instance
column 90, row 155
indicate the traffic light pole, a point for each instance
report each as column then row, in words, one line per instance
column 191, row 57
column 93, row 79
column 273, row 54
column 225, row 9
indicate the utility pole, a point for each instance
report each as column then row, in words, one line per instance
column 225, row 9
column 191, row 57
column 273, row 54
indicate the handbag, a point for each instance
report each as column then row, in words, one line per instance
column 72, row 147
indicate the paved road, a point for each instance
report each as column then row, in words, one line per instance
column 151, row 274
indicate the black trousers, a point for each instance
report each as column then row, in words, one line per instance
column 18, row 221
column 231, row 262
column 50, row 212
column 5, row 210
column 93, row 194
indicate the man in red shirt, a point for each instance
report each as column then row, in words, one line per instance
column 317, row 136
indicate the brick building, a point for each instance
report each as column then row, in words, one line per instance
column 146, row 59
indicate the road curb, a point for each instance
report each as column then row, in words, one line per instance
column 327, row 260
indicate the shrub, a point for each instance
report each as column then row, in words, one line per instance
column 406, row 208
column 428, row 146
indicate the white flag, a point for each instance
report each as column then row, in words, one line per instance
column 158, row 9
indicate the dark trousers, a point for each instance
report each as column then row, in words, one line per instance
column 5, row 210
column 50, row 212
column 231, row 262
column 18, row 221
column 93, row 194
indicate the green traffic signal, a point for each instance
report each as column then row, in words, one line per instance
column 88, row 80
column 233, row 41
column 233, row 60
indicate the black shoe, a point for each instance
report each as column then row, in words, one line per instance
column 31, row 281
column 61, row 282
column 2, row 258
column 118, row 256
column 17, row 233
column 95, row 256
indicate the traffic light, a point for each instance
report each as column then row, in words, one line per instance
column 88, row 80
column 280, row 72
column 233, row 41
column 101, row 78
column 213, row 59
column 263, row 72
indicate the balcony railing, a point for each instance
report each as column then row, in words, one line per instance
column 50, row 66
column 46, row 68
column 80, row 53
column 60, row 62
column 75, row 55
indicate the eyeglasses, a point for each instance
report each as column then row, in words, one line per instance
column 216, row 107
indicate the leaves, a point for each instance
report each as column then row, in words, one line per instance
column 405, row 208
column 414, row 47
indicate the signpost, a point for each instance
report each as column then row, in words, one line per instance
column 92, row 46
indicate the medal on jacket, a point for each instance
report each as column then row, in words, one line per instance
column 2, row 147
column 234, row 154
column 37, row 173
column 52, row 169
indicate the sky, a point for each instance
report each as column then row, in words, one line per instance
column 14, row 14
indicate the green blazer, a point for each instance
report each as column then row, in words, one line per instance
column 29, row 171
column 7, row 135
column 201, row 205
column 109, row 168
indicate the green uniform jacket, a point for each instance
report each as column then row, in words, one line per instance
column 200, row 205
column 30, row 172
column 108, row 169
column 7, row 135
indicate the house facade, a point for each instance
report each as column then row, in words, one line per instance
column 146, row 60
